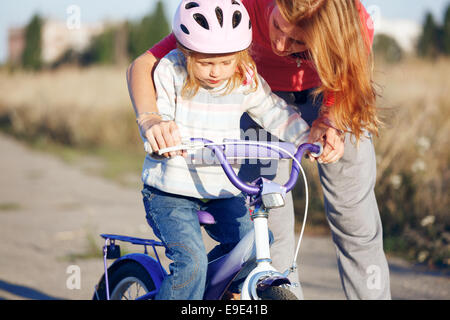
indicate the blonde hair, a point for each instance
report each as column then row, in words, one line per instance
column 339, row 47
column 245, row 67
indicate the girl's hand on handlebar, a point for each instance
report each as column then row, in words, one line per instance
column 161, row 134
column 332, row 140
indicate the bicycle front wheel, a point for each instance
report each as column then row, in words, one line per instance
column 128, row 281
column 276, row 293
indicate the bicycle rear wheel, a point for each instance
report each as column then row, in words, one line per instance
column 128, row 281
column 276, row 293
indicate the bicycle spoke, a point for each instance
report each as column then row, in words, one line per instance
column 128, row 288
column 129, row 293
column 138, row 288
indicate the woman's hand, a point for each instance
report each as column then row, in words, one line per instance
column 160, row 134
column 331, row 138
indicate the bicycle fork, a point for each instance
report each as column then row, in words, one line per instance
column 264, row 274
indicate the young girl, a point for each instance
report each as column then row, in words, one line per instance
column 205, row 86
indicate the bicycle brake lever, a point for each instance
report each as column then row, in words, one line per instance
column 186, row 144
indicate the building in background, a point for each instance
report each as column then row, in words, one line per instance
column 16, row 45
column 56, row 40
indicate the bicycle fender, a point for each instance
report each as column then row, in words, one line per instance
column 273, row 281
column 153, row 267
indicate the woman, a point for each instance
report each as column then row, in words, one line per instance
column 316, row 55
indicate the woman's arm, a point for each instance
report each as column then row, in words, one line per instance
column 160, row 134
column 140, row 76
column 140, row 83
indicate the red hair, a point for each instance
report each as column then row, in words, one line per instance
column 339, row 47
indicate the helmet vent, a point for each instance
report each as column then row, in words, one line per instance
column 191, row 5
column 235, row 2
column 219, row 15
column 201, row 20
column 237, row 17
column 184, row 29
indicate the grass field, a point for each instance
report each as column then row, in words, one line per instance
column 78, row 113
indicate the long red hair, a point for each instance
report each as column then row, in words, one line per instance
column 339, row 47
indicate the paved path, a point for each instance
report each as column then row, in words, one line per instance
column 51, row 213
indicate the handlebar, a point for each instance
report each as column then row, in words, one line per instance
column 282, row 150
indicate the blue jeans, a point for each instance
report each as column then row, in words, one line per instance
column 174, row 221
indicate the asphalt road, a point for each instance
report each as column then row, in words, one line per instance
column 51, row 214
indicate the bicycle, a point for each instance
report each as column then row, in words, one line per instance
column 132, row 272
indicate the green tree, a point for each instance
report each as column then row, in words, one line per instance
column 145, row 33
column 101, row 49
column 31, row 56
column 159, row 27
column 387, row 48
column 109, row 47
column 446, row 32
column 428, row 44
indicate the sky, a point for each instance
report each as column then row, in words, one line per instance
column 18, row 13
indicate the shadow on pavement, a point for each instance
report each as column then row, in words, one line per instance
column 25, row 292
column 418, row 269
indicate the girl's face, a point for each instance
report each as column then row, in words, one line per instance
column 213, row 70
column 285, row 38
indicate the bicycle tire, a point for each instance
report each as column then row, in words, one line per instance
column 122, row 278
column 276, row 293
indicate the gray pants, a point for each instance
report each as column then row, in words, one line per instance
column 351, row 210
column 355, row 223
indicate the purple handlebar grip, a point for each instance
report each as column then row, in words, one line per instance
column 295, row 168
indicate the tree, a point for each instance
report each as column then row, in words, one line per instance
column 145, row 33
column 387, row 48
column 159, row 27
column 31, row 56
column 101, row 49
column 446, row 32
column 428, row 44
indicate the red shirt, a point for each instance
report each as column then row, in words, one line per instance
column 281, row 73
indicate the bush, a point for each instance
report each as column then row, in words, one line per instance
column 387, row 48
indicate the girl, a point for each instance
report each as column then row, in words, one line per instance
column 204, row 86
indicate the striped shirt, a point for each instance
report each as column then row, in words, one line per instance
column 213, row 116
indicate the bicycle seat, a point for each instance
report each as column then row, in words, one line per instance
column 205, row 218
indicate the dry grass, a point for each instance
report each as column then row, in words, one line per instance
column 73, row 106
column 417, row 136
column 91, row 107
column 413, row 158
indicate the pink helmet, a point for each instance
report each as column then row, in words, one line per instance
column 212, row 26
